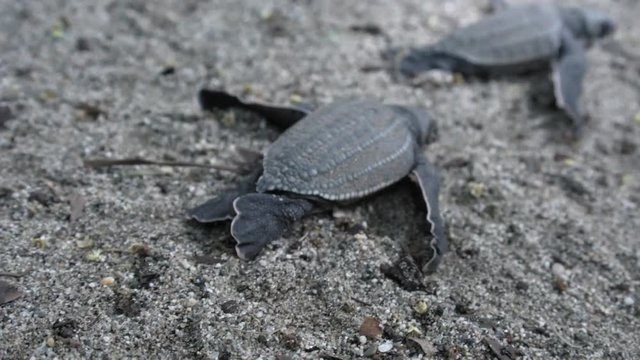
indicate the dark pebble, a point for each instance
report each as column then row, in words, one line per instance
column 368, row 28
column 405, row 273
column 126, row 304
column 627, row 147
column 64, row 328
column 463, row 309
column 224, row 355
column 43, row 198
column 82, row 44
column 230, row 307
column 5, row 115
column 289, row 341
column 5, row 192
column 522, row 286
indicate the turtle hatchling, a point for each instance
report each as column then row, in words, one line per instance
column 341, row 152
column 519, row 39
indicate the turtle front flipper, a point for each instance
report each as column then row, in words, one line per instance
column 262, row 218
column 428, row 179
column 281, row 116
column 568, row 74
column 220, row 208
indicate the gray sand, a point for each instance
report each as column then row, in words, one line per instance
column 545, row 259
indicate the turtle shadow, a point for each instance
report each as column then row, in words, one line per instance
column 538, row 99
column 541, row 101
column 398, row 212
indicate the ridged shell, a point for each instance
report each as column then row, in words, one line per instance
column 343, row 151
column 513, row 36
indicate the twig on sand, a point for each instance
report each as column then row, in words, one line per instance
column 97, row 163
column 13, row 275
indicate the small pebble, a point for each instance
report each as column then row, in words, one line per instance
column 560, row 285
column 437, row 77
column 84, row 244
column 94, row 256
column 385, row 347
column 39, row 243
column 560, row 277
column 295, row 98
column 360, row 236
column 476, row 189
column 167, row 170
column 371, row 327
column 413, row 331
column 57, row 31
column 229, row 119
column 108, row 281
column 421, row 308
column 559, row 270
column 140, row 249
column 339, row 214
column 362, row 339
column 629, row 301
column 50, row 342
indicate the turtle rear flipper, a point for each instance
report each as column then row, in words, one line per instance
column 262, row 218
column 568, row 74
column 417, row 61
column 220, row 208
column 281, row 116
column 420, row 60
column 428, row 178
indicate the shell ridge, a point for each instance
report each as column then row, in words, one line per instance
column 317, row 124
column 371, row 141
column 350, row 151
column 502, row 40
column 408, row 141
column 334, row 144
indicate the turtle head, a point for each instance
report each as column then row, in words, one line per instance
column 421, row 122
column 588, row 24
column 597, row 25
